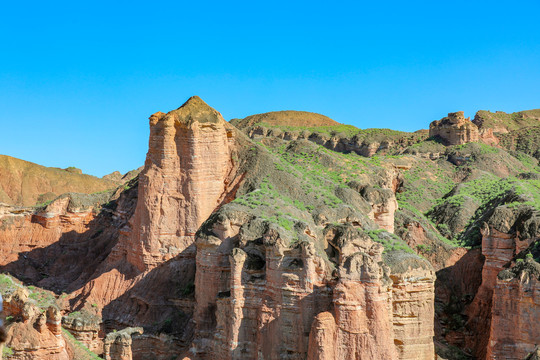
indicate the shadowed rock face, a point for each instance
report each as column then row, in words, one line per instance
column 507, row 301
column 454, row 129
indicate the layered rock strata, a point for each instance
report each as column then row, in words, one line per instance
column 117, row 345
column 86, row 328
column 454, row 129
column 33, row 334
column 259, row 297
column 189, row 171
column 499, row 334
column 515, row 311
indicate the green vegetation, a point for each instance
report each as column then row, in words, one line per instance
column 530, row 190
column 42, row 298
column 390, row 242
column 7, row 285
column 6, row 352
column 482, row 190
column 423, row 183
column 347, row 130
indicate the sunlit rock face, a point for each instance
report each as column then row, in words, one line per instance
column 454, row 129
column 185, row 178
column 257, row 296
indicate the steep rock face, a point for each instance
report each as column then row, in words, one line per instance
column 257, row 296
column 362, row 326
column 454, row 129
column 413, row 306
column 515, row 312
column 507, row 233
column 384, row 204
column 23, row 230
column 187, row 175
column 267, row 289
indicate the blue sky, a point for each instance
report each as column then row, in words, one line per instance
column 78, row 80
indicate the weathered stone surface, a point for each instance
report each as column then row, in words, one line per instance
column 507, row 233
column 86, row 328
column 258, row 297
column 33, row 334
column 515, row 312
column 117, row 345
column 187, row 175
column 454, row 129
column 383, row 204
column 413, row 306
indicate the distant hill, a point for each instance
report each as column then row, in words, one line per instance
column 285, row 118
column 25, row 183
column 502, row 122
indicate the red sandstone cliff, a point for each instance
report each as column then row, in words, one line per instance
column 189, row 172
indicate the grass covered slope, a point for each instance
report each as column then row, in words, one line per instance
column 25, row 183
column 502, row 122
column 285, row 118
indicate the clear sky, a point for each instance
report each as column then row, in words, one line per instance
column 78, row 79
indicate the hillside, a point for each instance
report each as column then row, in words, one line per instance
column 285, row 118
column 25, row 183
column 502, row 122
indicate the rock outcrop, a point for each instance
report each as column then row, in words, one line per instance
column 117, row 345
column 189, row 172
column 86, row 328
column 454, row 129
column 383, row 204
column 260, row 297
column 515, row 311
column 33, row 334
column 507, row 232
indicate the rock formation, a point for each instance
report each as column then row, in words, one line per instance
column 515, row 311
column 264, row 298
column 278, row 249
column 505, row 300
column 117, row 344
column 454, row 129
column 33, row 334
column 384, row 205
column 85, row 327
column 188, row 173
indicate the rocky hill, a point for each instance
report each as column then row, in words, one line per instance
column 274, row 242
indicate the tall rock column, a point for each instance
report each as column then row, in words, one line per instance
column 186, row 176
